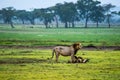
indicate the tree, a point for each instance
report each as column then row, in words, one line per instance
column 67, row 13
column 43, row 14
column 115, row 12
column 8, row 14
column 62, row 12
column 22, row 15
column 46, row 16
column 97, row 14
column 31, row 17
column 107, row 8
column 119, row 13
column 55, row 10
column 1, row 18
column 72, row 13
column 86, row 9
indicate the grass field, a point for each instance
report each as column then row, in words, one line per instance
column 31, row 63
column 61, row 36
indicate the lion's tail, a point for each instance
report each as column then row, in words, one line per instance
column 53, row 53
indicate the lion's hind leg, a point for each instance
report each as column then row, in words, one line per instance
column 56, row 51
column 57, row 56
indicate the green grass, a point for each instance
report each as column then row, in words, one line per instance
column 33, row 64
column 47, row 37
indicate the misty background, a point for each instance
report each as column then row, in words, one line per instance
column 51, row 19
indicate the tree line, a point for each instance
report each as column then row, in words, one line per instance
column 67, row 13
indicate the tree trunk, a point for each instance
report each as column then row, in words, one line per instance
column 86, row 21
column 69, row 24
column 23, row 21
column 56, row 21
column 46, row 24
column 11, row 23
column 32, row 21
column 97, row 24
column 66, row 25
column 108, row 21
column 73, row 24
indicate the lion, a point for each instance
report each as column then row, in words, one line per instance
column 66, row 51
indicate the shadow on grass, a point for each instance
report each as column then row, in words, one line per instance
column 32, row 60
column 22, row 60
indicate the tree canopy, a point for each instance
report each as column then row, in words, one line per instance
column 67, row 13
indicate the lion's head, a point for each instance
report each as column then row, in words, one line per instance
column 77, row 46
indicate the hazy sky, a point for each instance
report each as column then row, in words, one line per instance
column 30, row 4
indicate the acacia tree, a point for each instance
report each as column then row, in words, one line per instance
column 46, row 16
column 55, row 12
column 31, row 17
column 72, row 13
column 22, row 15
column 119, row 13
column 8, row 14
column 97, row 14
column 67, row 13
column 107, row 8
column 86, row 9
column 62, row 12
column 1, row 18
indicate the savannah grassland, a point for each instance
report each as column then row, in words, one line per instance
column 22, row 58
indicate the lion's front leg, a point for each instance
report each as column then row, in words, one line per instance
column 72, row 58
